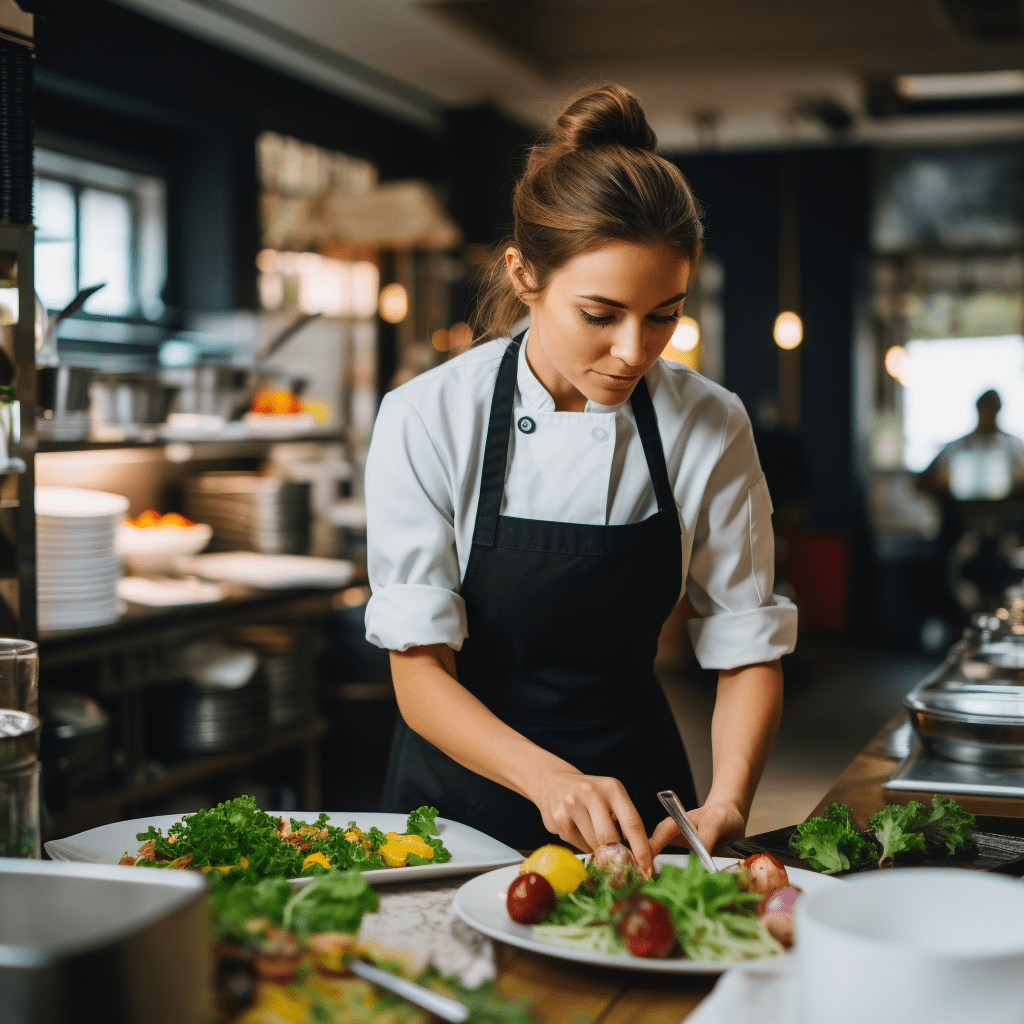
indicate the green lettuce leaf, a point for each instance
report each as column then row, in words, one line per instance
column 334, row 902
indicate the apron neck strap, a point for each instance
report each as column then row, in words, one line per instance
column 499, row 427
column 650, row 438
column 492, row 477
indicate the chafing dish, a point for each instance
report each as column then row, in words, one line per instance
column 98, row 941
column 972, row 708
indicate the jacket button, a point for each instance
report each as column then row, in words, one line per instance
column 599, row 434
column 526, row 425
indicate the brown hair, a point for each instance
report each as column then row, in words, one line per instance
column 595, row 178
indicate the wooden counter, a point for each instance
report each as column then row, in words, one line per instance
column 560, row 991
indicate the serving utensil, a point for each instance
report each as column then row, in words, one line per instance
column 674, row 807
column 419, row 995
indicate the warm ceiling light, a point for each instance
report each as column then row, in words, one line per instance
column 960, row 86
column 897, row 363
column 460, row 336
column 789, row 330
column 440, row 340
column 394, row 303
column 686, row 336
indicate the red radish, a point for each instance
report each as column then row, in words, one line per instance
column 780, row 926
column 646, row 925
column 617, row 863
column 530, row 898
column 766, row 873
column 780, row 900
column 776, row 913
column 742, row 873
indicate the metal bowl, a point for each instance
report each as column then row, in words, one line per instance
column 979, row 724
column 98, row 941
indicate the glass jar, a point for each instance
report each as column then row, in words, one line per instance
column 20, row 831
column 19, row 675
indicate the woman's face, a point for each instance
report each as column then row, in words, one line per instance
column 602, row 320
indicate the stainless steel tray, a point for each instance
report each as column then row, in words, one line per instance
column 976, row 723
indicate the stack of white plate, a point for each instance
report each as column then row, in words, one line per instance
column 77, row 567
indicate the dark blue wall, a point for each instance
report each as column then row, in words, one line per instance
column 740, row 193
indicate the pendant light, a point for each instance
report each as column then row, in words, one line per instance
column 789, row 329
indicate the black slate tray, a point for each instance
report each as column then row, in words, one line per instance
column 1000, row 847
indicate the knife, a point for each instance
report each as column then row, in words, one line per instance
column 437, row 1004
column 671, row 804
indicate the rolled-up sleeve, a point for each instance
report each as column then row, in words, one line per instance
column 732, row 561
column 412, row 560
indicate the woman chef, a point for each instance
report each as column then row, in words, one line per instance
column 539, row 504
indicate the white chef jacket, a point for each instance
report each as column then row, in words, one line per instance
column 423, row 483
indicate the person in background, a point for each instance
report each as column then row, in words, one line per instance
column 971, row 478
column 987, row 464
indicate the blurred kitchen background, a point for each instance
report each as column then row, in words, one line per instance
column 295, row 199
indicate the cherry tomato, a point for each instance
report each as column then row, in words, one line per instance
column 530, row 898
column 646, row 925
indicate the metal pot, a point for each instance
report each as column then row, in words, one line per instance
column 98, row 941
column 130, row 400
column 63, row 389
column 210, row 390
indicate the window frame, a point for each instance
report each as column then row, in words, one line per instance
column 83, row 182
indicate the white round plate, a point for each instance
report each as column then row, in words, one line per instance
column 78, row 502
column 481, row 904
column 73, row 571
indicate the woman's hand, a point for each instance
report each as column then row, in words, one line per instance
column 716, row 822
column 591, row 810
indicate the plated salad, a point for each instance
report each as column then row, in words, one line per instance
column 283, row 958
column 236, row 838
column 606, row 906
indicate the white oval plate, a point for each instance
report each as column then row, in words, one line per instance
column 481, row 904
column 472, row 851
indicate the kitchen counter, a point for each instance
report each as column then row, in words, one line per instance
column 559, row 990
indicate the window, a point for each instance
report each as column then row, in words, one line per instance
column 99, row 224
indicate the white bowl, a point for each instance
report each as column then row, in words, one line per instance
column 913, row 944
column 154, row 549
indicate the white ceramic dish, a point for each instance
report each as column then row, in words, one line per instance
column 269, row 571
column 471, row 850
column 78, row 503
column 481, row 904
column 156, row 549
column 929, row 944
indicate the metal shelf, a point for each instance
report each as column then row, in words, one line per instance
column 144, row 627
column 112, row 806
column 235, row 444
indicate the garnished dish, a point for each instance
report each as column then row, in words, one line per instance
column 239, row 839
column 153, row 520
column 743, row 912
column 831, row 844
column 284, row 957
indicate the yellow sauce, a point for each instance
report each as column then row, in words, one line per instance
column 316, row 858
column 398, row 847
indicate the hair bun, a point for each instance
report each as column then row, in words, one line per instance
column 606, row 116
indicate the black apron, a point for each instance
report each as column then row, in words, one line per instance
column 563, row 622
